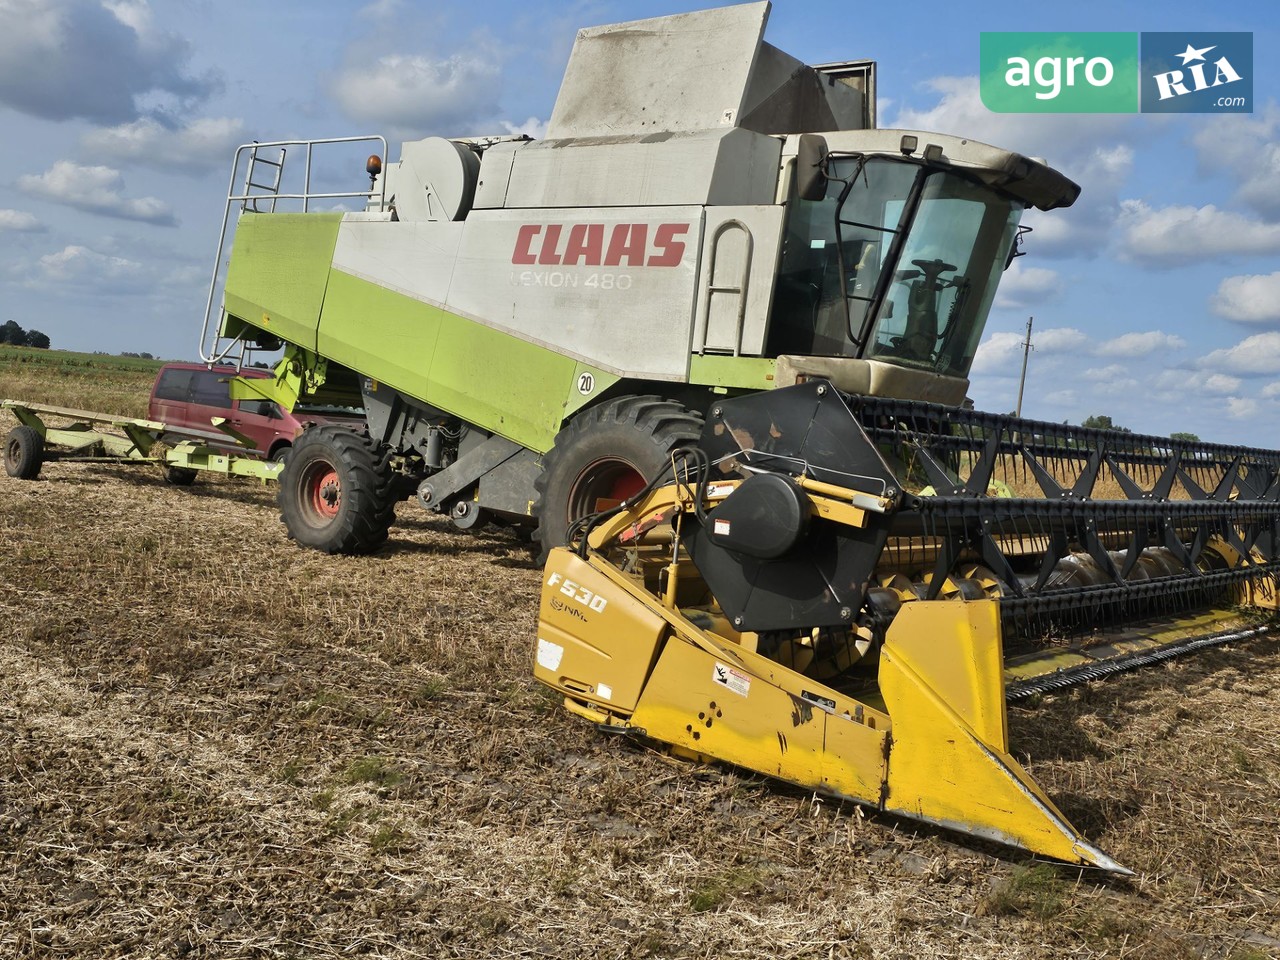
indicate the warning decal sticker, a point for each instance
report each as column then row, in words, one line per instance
column 733, row 679
column 549, row 654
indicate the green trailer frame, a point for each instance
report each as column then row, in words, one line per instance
column 90, row 437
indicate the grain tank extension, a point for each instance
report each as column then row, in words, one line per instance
column 532, row 326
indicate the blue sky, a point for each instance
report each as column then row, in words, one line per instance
column 1156, row 298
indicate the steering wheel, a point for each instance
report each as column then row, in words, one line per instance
column 933, row 269
column 920, row 340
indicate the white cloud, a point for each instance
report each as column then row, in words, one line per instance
column 1094, row 150
column 1027, row 286
column 1001, row 353
column 1248, row 299
column 106, row 269
column 1271, row 391
column 95, row 190
column 1094, row 138
column 80, row 265
column 1242, row 408
column 420, row 95
column 1177, row 235
column 199, row 146
column 1111, row 380
column 134, row 14
column 1259, row 354
column 1054, row 348
column 533, row 127
column 1247, row 147
column 87, row 59
column 1105, row 374
column 1180, row 383
column 1221, row 383
column 998, row 355
column 381, row 9
column 1059, row 340
column 1142, row 344
column 19, row 221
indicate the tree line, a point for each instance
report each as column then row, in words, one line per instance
column 11, row 332
column 1104, row 422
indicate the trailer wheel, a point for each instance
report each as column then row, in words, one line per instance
column 23, row 453
column 337, row 491
column 180, row 476
column 606, row 454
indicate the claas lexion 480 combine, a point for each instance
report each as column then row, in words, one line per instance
column 713, row 333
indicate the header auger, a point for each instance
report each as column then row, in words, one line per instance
column 842, row 592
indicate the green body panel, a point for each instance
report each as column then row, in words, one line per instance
column 284, row 388
column 278, row 272
column 300, row 372
column 281, row 279
column 496, row 381
column 748, row 373
column 600, row 382
column 194, row 456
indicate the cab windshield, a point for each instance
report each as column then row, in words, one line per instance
column 898, row 262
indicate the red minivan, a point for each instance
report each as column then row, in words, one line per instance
column 187, row 396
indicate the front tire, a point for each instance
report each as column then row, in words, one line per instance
column 23, row 453
column 604, row 455
column 337, row 491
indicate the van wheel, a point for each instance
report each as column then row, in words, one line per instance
column 605, row 455
column 337, row 491
column 281, row 453
column 23, row 453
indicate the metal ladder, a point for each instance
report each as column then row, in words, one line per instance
column 263, row 176
column 274, row 170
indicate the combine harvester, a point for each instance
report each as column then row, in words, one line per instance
column 716, row 268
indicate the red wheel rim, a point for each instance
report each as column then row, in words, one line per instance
column 626, row 484
column 603, row 484
column 324, row 490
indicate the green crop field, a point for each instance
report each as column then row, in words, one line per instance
column 216, row 745
column 85, row 381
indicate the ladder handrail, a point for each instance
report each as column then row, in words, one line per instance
column 215, row 350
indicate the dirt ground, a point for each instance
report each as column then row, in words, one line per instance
column 213, row 744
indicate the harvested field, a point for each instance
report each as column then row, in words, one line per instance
column 213, row 744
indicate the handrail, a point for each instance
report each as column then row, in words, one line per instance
column 703, row 325
column 211, row 350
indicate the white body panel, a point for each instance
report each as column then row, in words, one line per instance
column 614, row 287
column 740, row 249
column 708, row 167
column 415, row 259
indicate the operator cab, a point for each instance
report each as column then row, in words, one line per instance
column 895, row 257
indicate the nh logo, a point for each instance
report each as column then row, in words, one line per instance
column 1174, row 83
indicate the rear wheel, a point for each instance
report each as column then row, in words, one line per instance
column 337, row 491
column 23, row 453
column 605, row 455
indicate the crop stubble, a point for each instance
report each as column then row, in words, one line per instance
column 216, row 745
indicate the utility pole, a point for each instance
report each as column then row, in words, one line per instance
column 1026, row 352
